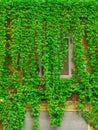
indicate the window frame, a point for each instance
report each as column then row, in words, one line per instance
column 70, row 56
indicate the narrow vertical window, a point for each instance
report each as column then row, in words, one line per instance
column 66, row 72
column 40, row 67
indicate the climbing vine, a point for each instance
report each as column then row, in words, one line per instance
column 33, row 45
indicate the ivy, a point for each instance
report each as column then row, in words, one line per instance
column 38, row 30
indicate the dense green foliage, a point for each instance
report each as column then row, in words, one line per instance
column 38, row 29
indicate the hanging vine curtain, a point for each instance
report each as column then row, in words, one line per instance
column 38, row 30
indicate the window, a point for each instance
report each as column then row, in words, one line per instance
column 40, row 67
column 68, row 65
column 66, row 72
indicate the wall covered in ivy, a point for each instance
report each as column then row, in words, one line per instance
column 32, row 30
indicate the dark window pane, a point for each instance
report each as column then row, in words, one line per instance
column 67, row 65
column 40, row 67
column 65, row 70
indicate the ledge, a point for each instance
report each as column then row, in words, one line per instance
column 71, row 106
